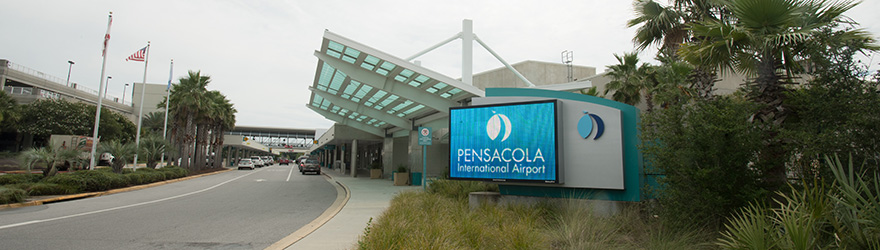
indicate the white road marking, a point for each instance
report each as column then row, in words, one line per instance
column 122, row 207
column 289, row 174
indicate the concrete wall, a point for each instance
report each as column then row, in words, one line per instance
column 401, row 153
column 154, row 94
column 539, row 73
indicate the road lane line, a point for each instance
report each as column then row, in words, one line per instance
column 289, row 174
column 126, row 206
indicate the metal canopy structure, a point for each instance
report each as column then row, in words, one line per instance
column 367, row 89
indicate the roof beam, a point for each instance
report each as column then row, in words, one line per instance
column 400, row 62
column 368, row 111
column 387, row 83
column 348, row 122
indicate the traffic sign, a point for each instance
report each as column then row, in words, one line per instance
column 424, row 136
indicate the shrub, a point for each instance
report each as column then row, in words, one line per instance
column 844, row 216
column 704, row 153
column 459, row 189
column 12, row 195
column 19, row 178
column 173, row 172
column 43, row 188
column 145, row 176
column 90, row 181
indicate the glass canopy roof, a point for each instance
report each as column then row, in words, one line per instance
column 370, row 90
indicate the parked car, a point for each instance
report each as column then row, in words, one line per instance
column 245, row 163
column 258, row 162
column 284, row 161
column 310, row 165
column 106, row 159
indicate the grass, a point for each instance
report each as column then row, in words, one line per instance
column 441, row 220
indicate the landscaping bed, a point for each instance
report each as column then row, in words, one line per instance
column 15, row 188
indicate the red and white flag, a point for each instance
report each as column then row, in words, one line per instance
column 138, row 55
column 107, row 36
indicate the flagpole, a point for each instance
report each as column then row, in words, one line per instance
column 137, row 138
column 167, row 101
column 100, row 97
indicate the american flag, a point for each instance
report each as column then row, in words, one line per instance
column 137, row 56
column 107, row 36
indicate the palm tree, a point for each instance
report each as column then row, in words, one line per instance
column 667, row 26
column 122, row 151
column 761, row 39
column 151, row 149
column 629, row 81
column 154, row 122
column 187, row 100
column 50, row 156
column 222, row 118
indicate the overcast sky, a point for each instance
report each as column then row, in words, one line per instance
column 259, row 53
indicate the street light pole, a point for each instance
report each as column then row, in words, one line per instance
column 68, row 72
column 123, row 93
column 107, row 86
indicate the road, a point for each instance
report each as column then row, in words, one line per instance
column 242, row 209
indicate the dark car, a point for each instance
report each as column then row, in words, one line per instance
column 283, row 161
column 310, row 165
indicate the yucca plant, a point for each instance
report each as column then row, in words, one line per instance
column 47, row 155
column 845, row 216
column 857, row 212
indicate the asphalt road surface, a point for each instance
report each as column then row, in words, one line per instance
column 242, row 209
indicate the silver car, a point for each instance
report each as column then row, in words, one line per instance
column 246, row 163
column 257, row 161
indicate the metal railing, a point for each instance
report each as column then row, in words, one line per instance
column 56, row 80
column 18, row 90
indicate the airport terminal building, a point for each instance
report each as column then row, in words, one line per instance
column 392, row 112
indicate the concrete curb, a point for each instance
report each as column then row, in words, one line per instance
column 108, row 192
column 343, row 194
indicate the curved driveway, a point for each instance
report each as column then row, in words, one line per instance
column 233, row 210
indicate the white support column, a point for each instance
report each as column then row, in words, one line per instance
column 354, row 156
column 467, row 51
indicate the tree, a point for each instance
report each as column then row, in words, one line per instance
column 124, row 152
column 667, row 26
column 204, row 116
column 57, row 116
column 187, row 99
column 50, row 156
column 151, row 149
column 629, row 81
column 154, row 122
column 222, row 118
column 9, row 112
column 760, row 39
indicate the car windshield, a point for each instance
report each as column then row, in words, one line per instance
column 310, row 161
column 245, row 161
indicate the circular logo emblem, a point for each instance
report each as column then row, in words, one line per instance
column 585, row 126
column 497, row 123
column 424, row 131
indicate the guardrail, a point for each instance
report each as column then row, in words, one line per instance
column 59, row 81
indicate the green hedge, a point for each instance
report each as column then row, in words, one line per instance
column 19, row 178
column 12, row 195
column 43, row 188
column 16, row 187
column 173, row 172
column 90, row 180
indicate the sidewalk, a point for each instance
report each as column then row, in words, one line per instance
column 368, row 199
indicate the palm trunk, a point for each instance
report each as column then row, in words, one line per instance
column 201, row 146
column 769, row 91
column 188, row 143
column 703, row 83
